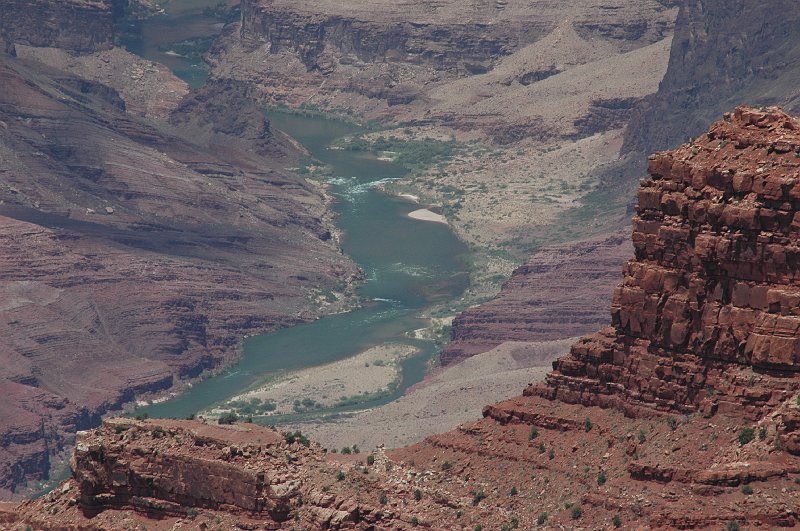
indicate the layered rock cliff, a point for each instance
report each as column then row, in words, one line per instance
column 562, row 292
column 395, row 58
column 78, row 25
column 706, row 318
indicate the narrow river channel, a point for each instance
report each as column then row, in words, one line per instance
column 410, row 264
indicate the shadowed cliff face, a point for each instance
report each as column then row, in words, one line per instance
column 723, row 54
column 80, row 25
column 386, row 59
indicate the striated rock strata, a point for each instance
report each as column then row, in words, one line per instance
column 707, row 317
column 561, row 292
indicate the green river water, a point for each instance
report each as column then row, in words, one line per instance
column 410, row 265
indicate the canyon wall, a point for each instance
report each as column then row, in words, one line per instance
column 723, row 54
column 562, row 292
column 78, row 25
column 136, row 253
column 390, row 60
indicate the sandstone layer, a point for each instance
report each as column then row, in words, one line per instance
column 706, row 318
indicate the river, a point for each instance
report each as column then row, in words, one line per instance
column 411, row 265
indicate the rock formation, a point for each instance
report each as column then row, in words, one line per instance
column 711, row 299
column 79, row 25
column 685, row 413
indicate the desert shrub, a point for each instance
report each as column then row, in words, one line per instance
column 297, row 436
column 228, row 418
column 746, row 435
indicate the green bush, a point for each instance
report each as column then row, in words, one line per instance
column 297, row 436
column 533, row 434
column 601, row 478
column 542, row 519
column 340, row 475
column 477, row 496
column 228, row 418
column 417, row 494
column 370, row 460
column 587, row 425
column 577, row 512
column 746, row 435
column 383, row 499
column 747, row 489
column 616, row 521
column 447, row 465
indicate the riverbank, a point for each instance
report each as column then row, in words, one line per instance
column 371, row 373
column 443, row 400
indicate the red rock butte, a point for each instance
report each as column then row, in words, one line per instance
column 684, row 413
column 711, row 301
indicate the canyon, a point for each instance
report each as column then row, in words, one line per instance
column 161, row 221
column 683, row 413
column 137, row 251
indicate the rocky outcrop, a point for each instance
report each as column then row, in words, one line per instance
column 78, row 25
column 561, row 292
column 706, row 318
column 224, row 110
